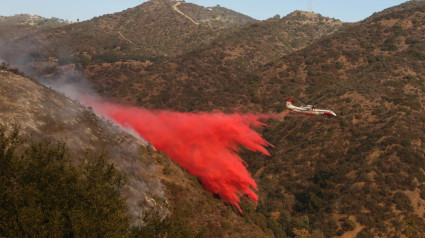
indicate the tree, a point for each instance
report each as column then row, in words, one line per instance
column 43, row 195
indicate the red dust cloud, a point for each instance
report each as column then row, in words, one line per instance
column 205, row 144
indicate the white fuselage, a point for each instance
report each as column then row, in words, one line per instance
column 309, row 110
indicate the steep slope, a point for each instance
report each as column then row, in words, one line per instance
column 215, row 16
column 133, row 32
column 359, row 173
column 155, row 184
column 152, row 30
column 208, row 73
column 363, row 170
column 45, row 114
column 261, row 42
column 397, row 8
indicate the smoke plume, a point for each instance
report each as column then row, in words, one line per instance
column 205, row 144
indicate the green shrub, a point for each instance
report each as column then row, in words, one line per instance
column 402, row 202
column 168, row 227
column 365, row 233
column 43, row 195
column 348, row 225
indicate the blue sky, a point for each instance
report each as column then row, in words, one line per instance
column 345, row 10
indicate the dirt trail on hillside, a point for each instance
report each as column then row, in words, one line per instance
column 188, row 17
column 125, row 38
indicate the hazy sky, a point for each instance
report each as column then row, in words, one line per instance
column 345, row 10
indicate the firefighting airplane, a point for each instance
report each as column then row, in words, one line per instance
column 308, row 110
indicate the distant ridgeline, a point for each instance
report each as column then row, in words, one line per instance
column 359, row 174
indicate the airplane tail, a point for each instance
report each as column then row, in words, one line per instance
column 288, row 103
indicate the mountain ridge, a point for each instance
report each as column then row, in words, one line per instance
column 238, row 52
column 145, row 32
column 360, row 174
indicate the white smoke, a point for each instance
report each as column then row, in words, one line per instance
column 73, row 84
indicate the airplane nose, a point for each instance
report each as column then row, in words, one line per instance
column 330, row 113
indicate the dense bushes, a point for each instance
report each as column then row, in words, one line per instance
column 42, row 195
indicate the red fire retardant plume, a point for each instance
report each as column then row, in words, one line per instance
column 205, row 144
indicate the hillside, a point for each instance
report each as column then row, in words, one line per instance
column 397, row 8
column 364, row 170
column 212, row 70
column 45, row 114
column 359, row 173
column 29, row 19
column 215, row 16
column 21, row 25
column 155, row 186
column 152, row 30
